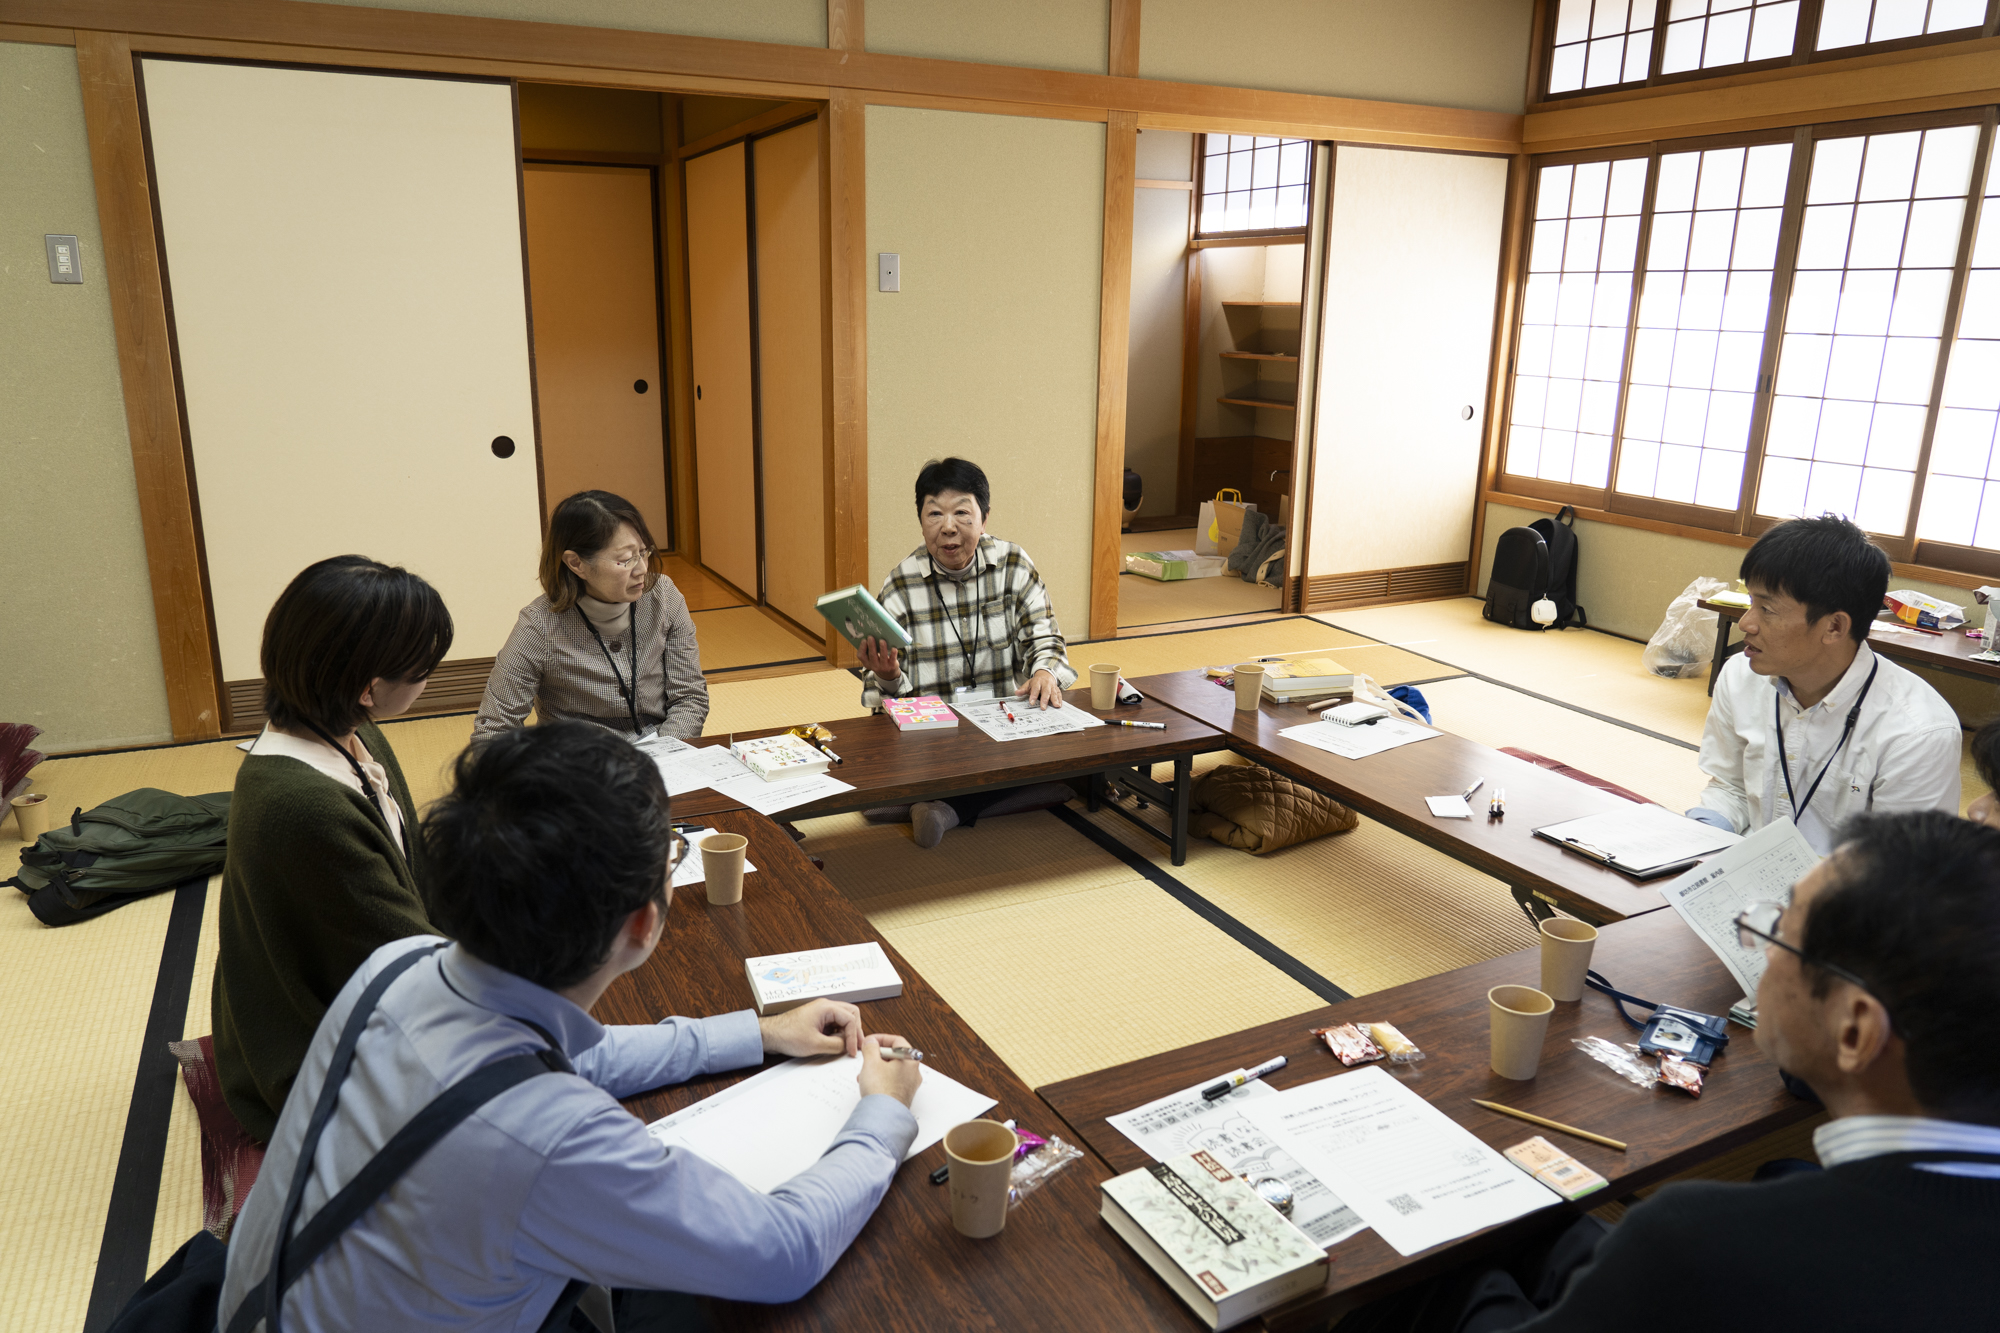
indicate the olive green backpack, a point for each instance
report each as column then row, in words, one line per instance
column 131, row 846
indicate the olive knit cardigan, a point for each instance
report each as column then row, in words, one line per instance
column 313, row 884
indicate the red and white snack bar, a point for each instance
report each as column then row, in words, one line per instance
column 1676, row 1072
column 1349, row 1044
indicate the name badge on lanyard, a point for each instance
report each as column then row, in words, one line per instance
column 971, row 694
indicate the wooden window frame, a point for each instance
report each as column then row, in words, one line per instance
column 1743, row 524
column 1270, row 236
column 1804, row 51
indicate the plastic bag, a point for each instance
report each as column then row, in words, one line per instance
column 1032, row 1169
column 1685, row 640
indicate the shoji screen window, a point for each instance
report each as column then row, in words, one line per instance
column 1254, row 185
column 1601, row 44
column 1844, row 23
column 1703, row 311
column 1705, row 34
column 1576, row 307
column 1962, row 495
column 1876, row 251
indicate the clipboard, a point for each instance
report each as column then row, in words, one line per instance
column 1692, row 841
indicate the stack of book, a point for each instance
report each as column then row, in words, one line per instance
column 775, row 758
column 849, row 972
column 1294, row 676
column 926, row 712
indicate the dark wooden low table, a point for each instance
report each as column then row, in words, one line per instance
column 1655, row 956
column 891, row 767
column 1950, row 651
column 1391, row 787
column 1054, row 1267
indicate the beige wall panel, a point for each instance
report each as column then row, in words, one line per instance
column 597, row 334
column 79, row 654
column 794, row 22
column 790, row 341
column 725, row 465
column 1165, row 155
column 1159, row 320
column 1413, row 262
column 344, row 252
column 990, row 349
column 1045, row 34
column 1463, row 53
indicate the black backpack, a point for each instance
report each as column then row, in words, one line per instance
column 129, row 847
column 1560, row 538
column 1532, row 563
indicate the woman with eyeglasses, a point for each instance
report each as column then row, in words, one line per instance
column 610, row 640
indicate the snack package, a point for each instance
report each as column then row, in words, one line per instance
column 1349, row 1044
column 1686, row 1075
column 1623, row 1059
column 1035, row 1167
column 1399, row 1048
column 1913, row 608
column 1555, row 1168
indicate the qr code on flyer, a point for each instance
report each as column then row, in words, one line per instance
column 1405, row 1205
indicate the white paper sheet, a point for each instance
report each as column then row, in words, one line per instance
column 1409, row 1170
column 689, row 768
column 1640, row 837
column 1763, row 866
column 1183, row 1122
column 1359, row 742
column 990, row 716
column 784, row 1119
column 691, row 869
column 1449, row 807
column 767, row 798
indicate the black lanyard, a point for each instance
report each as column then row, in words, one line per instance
column 631, row 695
column 1785, row 763
column 359, row 776
column 937, row 591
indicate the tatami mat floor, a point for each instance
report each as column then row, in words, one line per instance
column 743, row 636
column 1016, row 921
column 1143, row 601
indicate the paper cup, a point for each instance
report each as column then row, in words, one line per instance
column 1103, row 687
column 31, row 813
column 1249, row 686
column 722, row 866
column 1566, row 948
column 1520, row 1017
column 982, row 1167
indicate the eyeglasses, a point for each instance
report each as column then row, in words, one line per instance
column 624, row 562
column 1757, row 925
column 677, row 852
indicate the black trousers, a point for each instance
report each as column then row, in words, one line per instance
column 1486, row 1298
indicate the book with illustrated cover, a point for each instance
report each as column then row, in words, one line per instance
column 1223, row 1250
column 850, row 972
column 924, row 713
column 775, row 758
column 857, row 615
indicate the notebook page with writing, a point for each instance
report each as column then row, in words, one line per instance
column 1762, row 867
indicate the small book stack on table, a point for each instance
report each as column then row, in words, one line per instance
column 926, row 712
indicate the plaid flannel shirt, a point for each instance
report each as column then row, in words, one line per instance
column 995, row 629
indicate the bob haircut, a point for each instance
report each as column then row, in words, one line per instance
column 549, row 840
column 954, row 474
column 340, row 625
column 586, row 523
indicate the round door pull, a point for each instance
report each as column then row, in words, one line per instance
column 638, row 386
column 503, row 447
column 1465, row 413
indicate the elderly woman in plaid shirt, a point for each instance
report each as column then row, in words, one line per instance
column 983, row 629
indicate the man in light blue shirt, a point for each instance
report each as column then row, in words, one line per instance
column 553, row 856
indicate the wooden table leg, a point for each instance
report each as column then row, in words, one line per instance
column 1095, row 800
column 1183, row 791
column 1722, row 624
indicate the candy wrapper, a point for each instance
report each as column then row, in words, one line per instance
column 1349, row 1044
column 1623, row 1059
column 1399, row 1048
column 1028, row 1142
column 1037, row 1165
column 1686, row 1075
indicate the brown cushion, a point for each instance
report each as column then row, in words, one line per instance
column 1256, row 810
column 230, row 1158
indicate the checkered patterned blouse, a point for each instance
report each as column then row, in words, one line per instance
column 993, row 628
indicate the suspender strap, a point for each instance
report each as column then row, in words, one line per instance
column 291, row 1256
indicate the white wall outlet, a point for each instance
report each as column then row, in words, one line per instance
column 889, row 272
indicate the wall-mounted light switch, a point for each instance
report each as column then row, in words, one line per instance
column 889, row 271
column 63, row 265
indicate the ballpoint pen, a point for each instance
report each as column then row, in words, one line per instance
column 1473, row 788
column 1128, row 722
column 1242, row 1076
column 902, row 1053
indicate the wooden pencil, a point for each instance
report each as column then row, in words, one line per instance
column 1550, row 1124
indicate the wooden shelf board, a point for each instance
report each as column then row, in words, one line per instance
column 1259, row 356
column 1261, row 402
column 1254, row 304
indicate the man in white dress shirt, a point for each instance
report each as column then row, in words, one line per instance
column 1808, row 722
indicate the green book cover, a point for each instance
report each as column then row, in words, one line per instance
column 858, row 616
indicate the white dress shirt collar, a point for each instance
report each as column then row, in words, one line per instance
column 1856, row 1138
column 1845, row 690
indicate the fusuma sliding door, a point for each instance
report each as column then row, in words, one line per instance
column 725, row 462
column 343, row 257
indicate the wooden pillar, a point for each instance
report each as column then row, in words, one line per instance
column 1114, row 336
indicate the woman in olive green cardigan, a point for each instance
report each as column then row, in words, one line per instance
column 325, row 865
